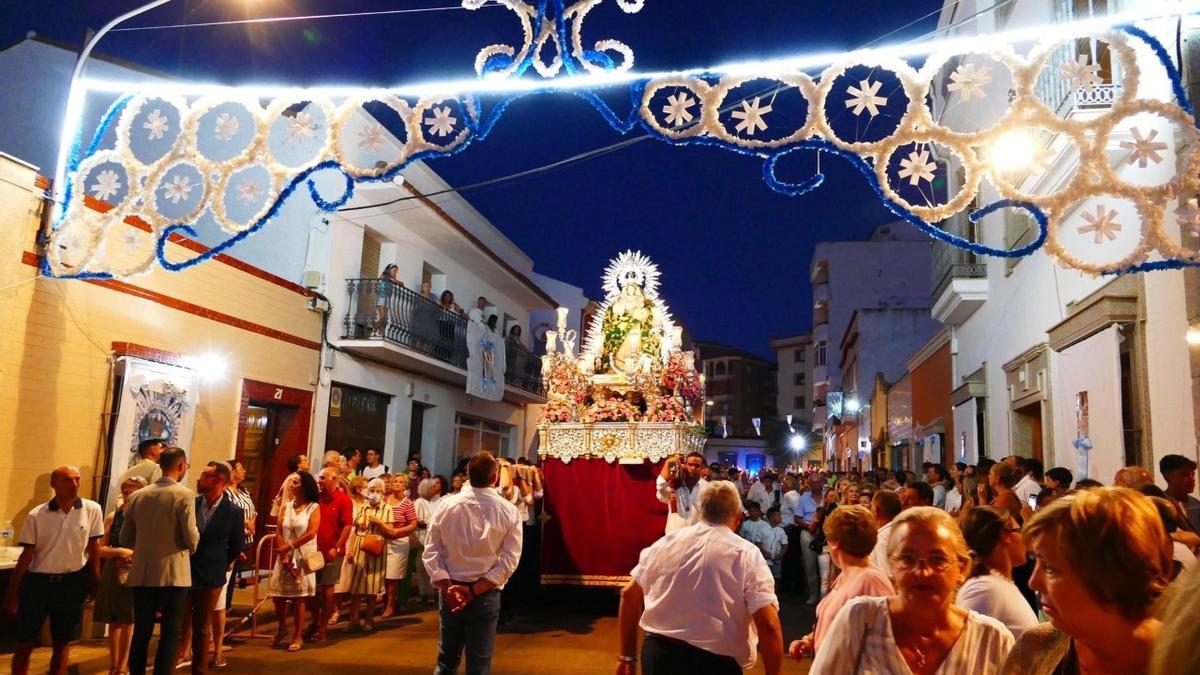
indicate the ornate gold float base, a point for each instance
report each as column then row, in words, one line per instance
column 626, row 442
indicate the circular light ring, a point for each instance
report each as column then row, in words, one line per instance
column 1003, row 55
column 345, row 114
column 914, row 89
column 1186, row 125
column 416, row 126
column 1040, row 56
column 693, row 85
column 712, row 110
column 125, row 129
column 139, row 265
column 85, row 226
column 275, row 112
column 1034, row 120
column 1150, row 226
column 191, row 129
column 154, row 215
column 84, row 171
column 958, row 202
column 219, row 193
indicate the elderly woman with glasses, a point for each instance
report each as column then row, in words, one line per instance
column 918, row 630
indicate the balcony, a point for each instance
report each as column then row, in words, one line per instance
column 821, row 332
column 960, row 284
column 390, row 323
column 820, row 295
column 1056, row 93
column 820, row 375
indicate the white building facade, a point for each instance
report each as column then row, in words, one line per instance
column 1087, row 373
column 794, row 358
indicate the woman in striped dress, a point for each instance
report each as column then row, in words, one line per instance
column 404, row 523
column 366, row 575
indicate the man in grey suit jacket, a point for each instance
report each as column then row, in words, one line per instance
column 160, row 527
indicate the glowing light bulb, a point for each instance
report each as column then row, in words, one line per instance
column 797, row 443
column 1013, row 151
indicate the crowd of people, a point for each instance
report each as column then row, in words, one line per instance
column 345, row 543
column 1000, row 567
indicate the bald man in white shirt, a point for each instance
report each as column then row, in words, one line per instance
column 718, row 630
column 473, row 546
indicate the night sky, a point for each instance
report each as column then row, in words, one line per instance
column 734, row 254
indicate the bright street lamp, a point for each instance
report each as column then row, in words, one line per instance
column 852, row 405
column 797, row 442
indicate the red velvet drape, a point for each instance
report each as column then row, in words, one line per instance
column 601, row 516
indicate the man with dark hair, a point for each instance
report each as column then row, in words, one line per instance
column 1058, row 480
column 885, row 506
column 222, row 539
column 471, row 551
column 916, row 493
column 1030, row 484
column 160, row 527
column 146, row 467
column 1180, row 474
column 298, row 463
column 936, row 476
column 679, row 485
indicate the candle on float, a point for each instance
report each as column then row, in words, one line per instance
column 545, row 364
column 677, row 336
column 562, row 318
column 551, row 340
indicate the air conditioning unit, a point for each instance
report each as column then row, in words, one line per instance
column 312, row 279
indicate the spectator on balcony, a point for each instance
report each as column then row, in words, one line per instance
column 427, row 291
column 388, row 283
column 447, row 303
column 514, row 334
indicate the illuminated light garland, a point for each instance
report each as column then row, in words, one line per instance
column 460, row 120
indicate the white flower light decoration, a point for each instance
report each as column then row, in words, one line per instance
column 370, row 138
column 751, row 116
column 865, row 97
column 1103, row 224
column 249, row 192
column 917, row 167
column 107, row 184
column 179, row 189
column 301, row 126
column 1081, row 74
column 1144, row 149
column 432, row 118
column 226, row 127
column 969, row 81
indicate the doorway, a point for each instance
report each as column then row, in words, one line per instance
column 416, row 431
column 274, row 427
column 1027, row 431
column 359, row 420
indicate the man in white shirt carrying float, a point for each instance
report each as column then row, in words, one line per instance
column 679, row 487
column 714, row 633
column 473, row 546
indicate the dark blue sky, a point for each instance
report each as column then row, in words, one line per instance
column 733, row 253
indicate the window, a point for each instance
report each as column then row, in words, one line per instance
column 798, row 356
column 820, row 354
column 472, row 435
column 798, row 379
column 798, row 403
column 719, row 369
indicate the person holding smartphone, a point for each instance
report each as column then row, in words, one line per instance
column 679, row 486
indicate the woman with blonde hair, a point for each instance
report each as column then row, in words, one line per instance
column 851, row 532
column 1103, row 559
column 918, row 630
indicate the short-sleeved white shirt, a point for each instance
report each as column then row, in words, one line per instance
column 861, row 642
column 993, row 595
column 736, row 583
column 60, row 540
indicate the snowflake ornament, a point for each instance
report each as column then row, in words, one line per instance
column 370, row 138
column 751, row 116
column 178, row 189
column 249, row 192
column 1103, row 224
column 1188, row 215
column 301, row 126
column 865, row 97
column 1144, row 149
column 676, row 109
column 917, row 167
column 107, row 184
column 441, row 124
column 1080, row 74
column 131, row 240
column 156, row 124
column 969, row 81
column 226, row 127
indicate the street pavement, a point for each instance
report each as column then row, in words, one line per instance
column 572, row 632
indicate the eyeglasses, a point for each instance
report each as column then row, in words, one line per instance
column 907, row 561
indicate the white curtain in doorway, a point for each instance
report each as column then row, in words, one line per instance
column 1093, row 368
column 155, row 401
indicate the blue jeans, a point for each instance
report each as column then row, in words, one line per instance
column 474, row 628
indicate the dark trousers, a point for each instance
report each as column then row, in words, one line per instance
column 1021, row 575
column 522, row 587
column 473, row 628
column 793, row 562
column 200, row 604
column 166, row 601
column 665, row 656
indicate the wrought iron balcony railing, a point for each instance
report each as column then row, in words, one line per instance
column 381, row 310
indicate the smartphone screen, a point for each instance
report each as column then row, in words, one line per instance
column 1033, row 501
